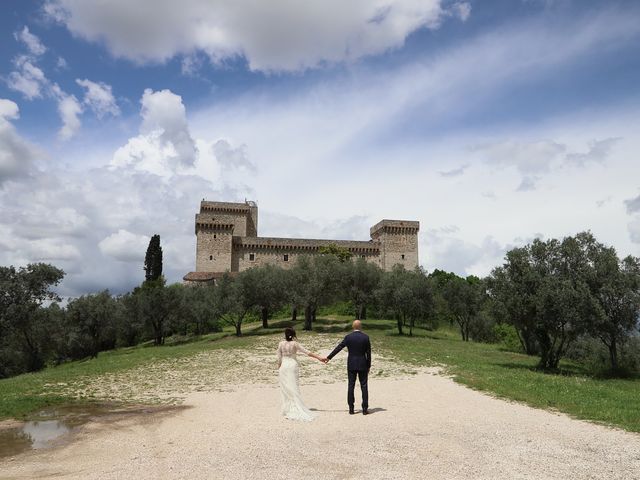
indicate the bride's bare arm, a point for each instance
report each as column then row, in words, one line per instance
column 308, row 353
column 279, row 356
column 316, row 356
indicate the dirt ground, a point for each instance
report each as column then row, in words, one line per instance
column 422, row 425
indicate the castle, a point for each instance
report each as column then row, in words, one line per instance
column 228, row 241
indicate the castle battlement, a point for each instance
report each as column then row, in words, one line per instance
column 227, row 241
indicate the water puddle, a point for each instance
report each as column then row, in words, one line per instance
column 50, row 427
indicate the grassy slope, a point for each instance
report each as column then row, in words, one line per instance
column 480, row 366
column 513, row 376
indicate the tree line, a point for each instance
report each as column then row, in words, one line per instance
column 547, row 297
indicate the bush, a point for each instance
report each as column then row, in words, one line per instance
column 593, row 355
column 338, row 308
column 507, row 336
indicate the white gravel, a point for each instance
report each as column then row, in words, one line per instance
column 423, row 426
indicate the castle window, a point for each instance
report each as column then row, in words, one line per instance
column 403, row 256
column 252, row 257
column 363, row 256
column 210, row 257
column 286, row 257
column 214, row 235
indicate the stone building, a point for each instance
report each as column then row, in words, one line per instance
column 227, row 241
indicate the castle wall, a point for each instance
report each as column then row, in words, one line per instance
column 239, row 220
column 276, row 256
column 213, row 250
column 398, row 248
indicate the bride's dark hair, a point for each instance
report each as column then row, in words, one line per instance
column 289, row 334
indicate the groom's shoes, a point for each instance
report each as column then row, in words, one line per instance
column 351, row 411
column 365, row 411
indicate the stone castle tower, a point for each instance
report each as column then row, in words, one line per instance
column 227, row 241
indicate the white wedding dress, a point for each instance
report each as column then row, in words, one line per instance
column 292, row 405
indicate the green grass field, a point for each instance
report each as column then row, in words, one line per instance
column 483, row 367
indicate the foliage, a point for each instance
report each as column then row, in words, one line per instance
column 360, row 280
column 266, row 287
column 24, row 331
column 405, row 296
column 465, row 298
column 232, row 301
column 153, row 260
column 313, row 282
column 90, row 325
column 341, row 253
column 554, row 292
column 507, row 336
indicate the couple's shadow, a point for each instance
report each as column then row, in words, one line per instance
column 371, row 411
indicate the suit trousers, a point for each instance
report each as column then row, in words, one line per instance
column 363, row 377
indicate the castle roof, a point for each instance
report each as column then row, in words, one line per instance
column 206, row 206
column 304, row 244
column 206, row 276
column 396, row 226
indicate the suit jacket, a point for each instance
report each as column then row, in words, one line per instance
column 359, row 348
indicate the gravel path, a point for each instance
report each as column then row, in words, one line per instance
column 422, row 426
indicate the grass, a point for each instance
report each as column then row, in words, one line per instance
column 513, row 376
column 483, row 367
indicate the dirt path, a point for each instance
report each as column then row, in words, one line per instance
column 422, row 426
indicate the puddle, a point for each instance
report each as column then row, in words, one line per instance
column 32, row 435
column 47, row 428
column 43, row 428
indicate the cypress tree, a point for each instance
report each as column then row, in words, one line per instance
column 153, row 260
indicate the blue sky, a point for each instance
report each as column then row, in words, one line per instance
column 490, row 122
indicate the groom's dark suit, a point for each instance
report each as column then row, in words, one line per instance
column 358, row 365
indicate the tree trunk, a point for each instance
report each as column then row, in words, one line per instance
column 294, row 313
column 238, row 326
column 363, row 312
column 399, row 322
column 264, row 312
column 613, row 354
column 307, row 318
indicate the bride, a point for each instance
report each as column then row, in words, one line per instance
column 288, row 370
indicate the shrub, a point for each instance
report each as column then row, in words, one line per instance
column 507, row 336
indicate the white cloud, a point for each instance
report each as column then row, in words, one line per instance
column 528, row 184
column 273, row 36
column 535, row 159
column 8, row 110
column 47, row 250
column 31, row 81
column 124, row 246
column 99, row 98
column 232, row 158
column 61, row 63
column 462, row 10
column 633, row 205
column 598, row 152
column 634, row 230
column 456, row 172
column 27, row 79
column 164, row 145
column 32, row 42
column 69, row 109
column 528, row 158
column 16, row 154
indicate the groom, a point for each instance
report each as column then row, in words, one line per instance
column 358, row 364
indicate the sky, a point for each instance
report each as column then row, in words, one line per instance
column 490, row 122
